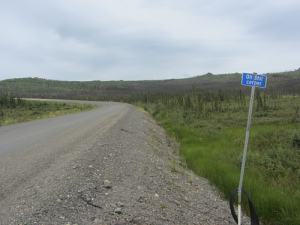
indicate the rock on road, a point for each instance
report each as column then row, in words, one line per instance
column 111, row 165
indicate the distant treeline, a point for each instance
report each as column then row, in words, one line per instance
column 8, row 100
column 278, row 83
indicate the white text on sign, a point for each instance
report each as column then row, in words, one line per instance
column 254, row 80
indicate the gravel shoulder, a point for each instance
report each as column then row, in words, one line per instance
column 125, row 171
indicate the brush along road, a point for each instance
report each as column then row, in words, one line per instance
column 111, row 165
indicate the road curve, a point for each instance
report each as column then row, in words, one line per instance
column 55, row 171
column 29, row 149
column 19, row 136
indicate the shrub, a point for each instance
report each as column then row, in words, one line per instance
column 219, row 127
column 295, row 139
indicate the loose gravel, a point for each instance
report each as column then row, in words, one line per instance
column 127, row 173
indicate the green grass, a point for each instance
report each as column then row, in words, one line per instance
column 212, row 144
column 215, row 156
column 36, row 110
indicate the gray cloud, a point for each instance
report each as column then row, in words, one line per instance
column 135, row 40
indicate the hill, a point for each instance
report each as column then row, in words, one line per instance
column 281, row 83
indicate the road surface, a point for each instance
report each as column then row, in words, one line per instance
column 22, row 137
column 29, row 149
column 56, row 171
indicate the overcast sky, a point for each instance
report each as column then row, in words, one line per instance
column 146, row 39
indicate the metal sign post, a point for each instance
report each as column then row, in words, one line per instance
column 253, row 80
column 244, row 157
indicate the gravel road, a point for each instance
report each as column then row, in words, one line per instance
column 111, row 165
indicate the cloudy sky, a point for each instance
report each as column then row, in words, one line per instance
column 146, row 39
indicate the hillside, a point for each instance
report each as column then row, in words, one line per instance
column 283, row 82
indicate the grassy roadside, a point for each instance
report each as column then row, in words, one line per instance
column 29, row 110
column 217, row 158
column 213, row 142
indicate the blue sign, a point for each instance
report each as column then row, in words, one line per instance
column 255, row 80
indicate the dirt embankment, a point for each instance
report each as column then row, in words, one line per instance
column 126, row 172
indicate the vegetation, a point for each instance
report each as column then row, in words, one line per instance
column 282, row 83
column 16, row 110
column 211, row 128
column 210, row 121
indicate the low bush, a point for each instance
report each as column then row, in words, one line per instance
column 212, row 142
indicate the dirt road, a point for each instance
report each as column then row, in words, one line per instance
column 111, row 165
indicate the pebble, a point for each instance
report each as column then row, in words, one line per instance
column 118, row 211
column 107, row 184
column 120, row 204
column 145, row 191
column 140, row 188
column 88, row 198
column 98, row 221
